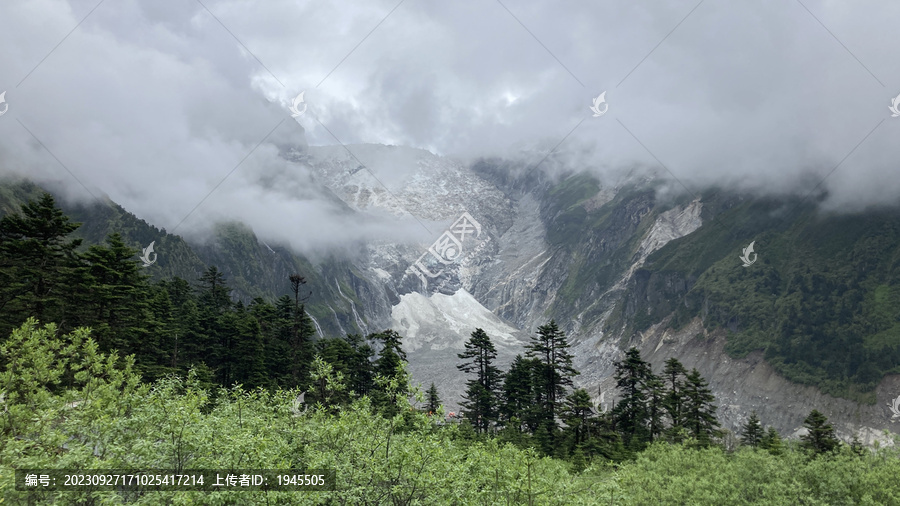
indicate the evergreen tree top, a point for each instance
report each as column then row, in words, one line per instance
column 391, row 341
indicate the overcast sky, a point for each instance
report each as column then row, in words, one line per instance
column 154, row 102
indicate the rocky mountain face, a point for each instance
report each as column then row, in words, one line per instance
column 517, row 251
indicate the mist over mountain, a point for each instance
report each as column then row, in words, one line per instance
column 182, row 121
column 369, row 183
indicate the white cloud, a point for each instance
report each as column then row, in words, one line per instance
column 154, row 103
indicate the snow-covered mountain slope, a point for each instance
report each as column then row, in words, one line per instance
column 435, row 328
column 427, row 321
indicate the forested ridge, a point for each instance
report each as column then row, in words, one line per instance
column 821, row 303
column 102, row 368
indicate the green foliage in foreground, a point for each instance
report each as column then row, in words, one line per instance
column 673, row 474
column 65, row 405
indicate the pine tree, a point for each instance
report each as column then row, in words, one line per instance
column 602, row 438
column 216, row 326
column 578, row 410
column 579, row 462
column 551, row 349
column 656, row 399
column 37, row 264
column 344, row 359
column 248, row 350
column 772, row 442
column 391, row 353
column 226, row 329
column 302, row 332
column 482, row 398
column 752, row 433
column 674, row 374
column 179, row 316
column 820, row 438
column 163, row 327
column 117, row 305
column 336, row 352
column 431, row 397
column 390, row 359
column 362, row 370
column 521, row 400
column 276, row 351
column 214, row 291
column 327, row 386
column 630, row 413
column 282, row 353
column 700, row 412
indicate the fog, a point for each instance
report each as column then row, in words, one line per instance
column 178, row 110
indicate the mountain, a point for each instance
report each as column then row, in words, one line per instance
column 617, row 265
column 617, row 261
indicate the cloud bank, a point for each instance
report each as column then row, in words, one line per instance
column 156, row 103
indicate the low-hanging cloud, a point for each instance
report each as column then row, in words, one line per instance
column 155, row 103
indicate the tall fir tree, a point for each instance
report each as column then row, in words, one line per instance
column 551, row 349
column 752, row 432
column 117, row 304
column 38, row 265
column 214, row 290
column 302, row 332
column 162, row 326
column 391, row 358
column 577, row 414
column 699, row 409
column 656, row 400
column 602, row 438
column 820, row 437
column 481, row 404
column 283, row 337
column 433, row 402
column 248, row 352
column 362, row 370
column 391, row 353
column 337, row 352
column 772, row 442
column 216, row 327
column 631, row 413
column 522, row 401
column 674, row 374
column 276, row 350
column 189, row 343
column 346, row 358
